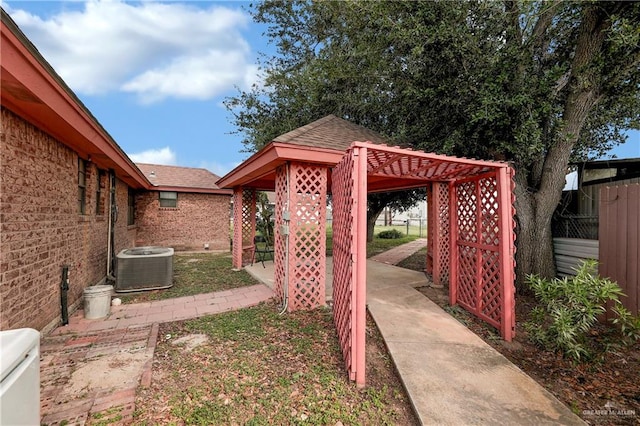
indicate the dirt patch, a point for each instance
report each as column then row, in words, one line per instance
column 114, row 371
column 190, row 341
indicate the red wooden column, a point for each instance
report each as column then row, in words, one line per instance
column 430, row 229
column 244, row 225
column 307, row 236
column 237, row 228
column 349, row 184
column 360, row 255
column 506, row 245
column 454, row 259
column 440, row 233
column 280, row 243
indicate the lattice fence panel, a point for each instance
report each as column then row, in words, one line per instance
column 280, row 241
column 237, row 229
column 248, row 223
column 489, row 201
column 490, row 298
column 342, row 189
column 468, row 264
column 479, row 281
column 442, row 228
column 307, row 243
column 467, row 212
column 431, row 221
column 467, row 254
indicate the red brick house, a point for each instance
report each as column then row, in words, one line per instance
column 70, row 196
column 186, row 211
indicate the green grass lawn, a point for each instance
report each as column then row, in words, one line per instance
column 414, row 230
column 261, row 368
column 197, row 273
column 378, row 245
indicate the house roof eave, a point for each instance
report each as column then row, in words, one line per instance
column 34, row 91
column 265, row 161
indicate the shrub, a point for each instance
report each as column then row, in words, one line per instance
column 569, row 309
column 390, row 234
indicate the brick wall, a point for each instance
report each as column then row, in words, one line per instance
column 197, row 219
column 41, row 229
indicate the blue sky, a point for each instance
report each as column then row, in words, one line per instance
column 155, row 74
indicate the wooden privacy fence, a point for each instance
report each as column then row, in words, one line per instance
column 619, row 232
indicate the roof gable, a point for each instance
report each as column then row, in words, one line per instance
column 179, row 177
column 330, row 132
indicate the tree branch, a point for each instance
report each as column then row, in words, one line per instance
column 539, row 43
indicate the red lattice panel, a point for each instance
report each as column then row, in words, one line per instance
column 490, row 299
column 467, row 212
column 248, row 223
column 280, row 241
column 343, row 192
column 489, row 202
column 307, row 240
column 244, row 225
column 479, row 278
column 442, row 228
column 430, row 229
column 467, row 285
column 237, row 229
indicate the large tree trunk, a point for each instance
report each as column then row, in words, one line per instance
column 534, row 208
column 372, row 216
column 534, row 245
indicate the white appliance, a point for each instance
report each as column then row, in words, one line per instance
column 19, row 377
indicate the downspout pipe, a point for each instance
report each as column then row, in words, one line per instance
column 113, row 214
column 64, row 288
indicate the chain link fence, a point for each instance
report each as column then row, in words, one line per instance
column 575, row 226
column 411, row 226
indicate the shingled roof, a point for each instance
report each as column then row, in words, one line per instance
column 330, row 132
column 179, row 177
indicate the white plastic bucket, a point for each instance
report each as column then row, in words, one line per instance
column 97, row 301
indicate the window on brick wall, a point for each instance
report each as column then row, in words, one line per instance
column 99, row 197
column 168, row 199
column 82, row 185
column 131, row 207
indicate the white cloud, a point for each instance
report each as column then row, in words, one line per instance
column 219, row 169
column 153, row 49
column 155, row 156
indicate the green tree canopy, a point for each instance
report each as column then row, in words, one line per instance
column 533, row 83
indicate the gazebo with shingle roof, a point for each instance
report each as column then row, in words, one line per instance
column 470, row 222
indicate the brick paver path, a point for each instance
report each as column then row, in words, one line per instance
column 126, row 339
column 399, row 253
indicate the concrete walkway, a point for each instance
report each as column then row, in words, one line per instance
column 90, row 369
column 401, row 252
column 452, row 377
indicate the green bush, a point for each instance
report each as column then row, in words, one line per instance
column 570, row 307
column 390, row 234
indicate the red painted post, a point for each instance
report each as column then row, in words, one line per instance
column 237, row 228
column 248, row 224
column 453, row 244
column 479, row 226
column 438, row 259
column 507, row 286
column 429, row 227
column 361, row 262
